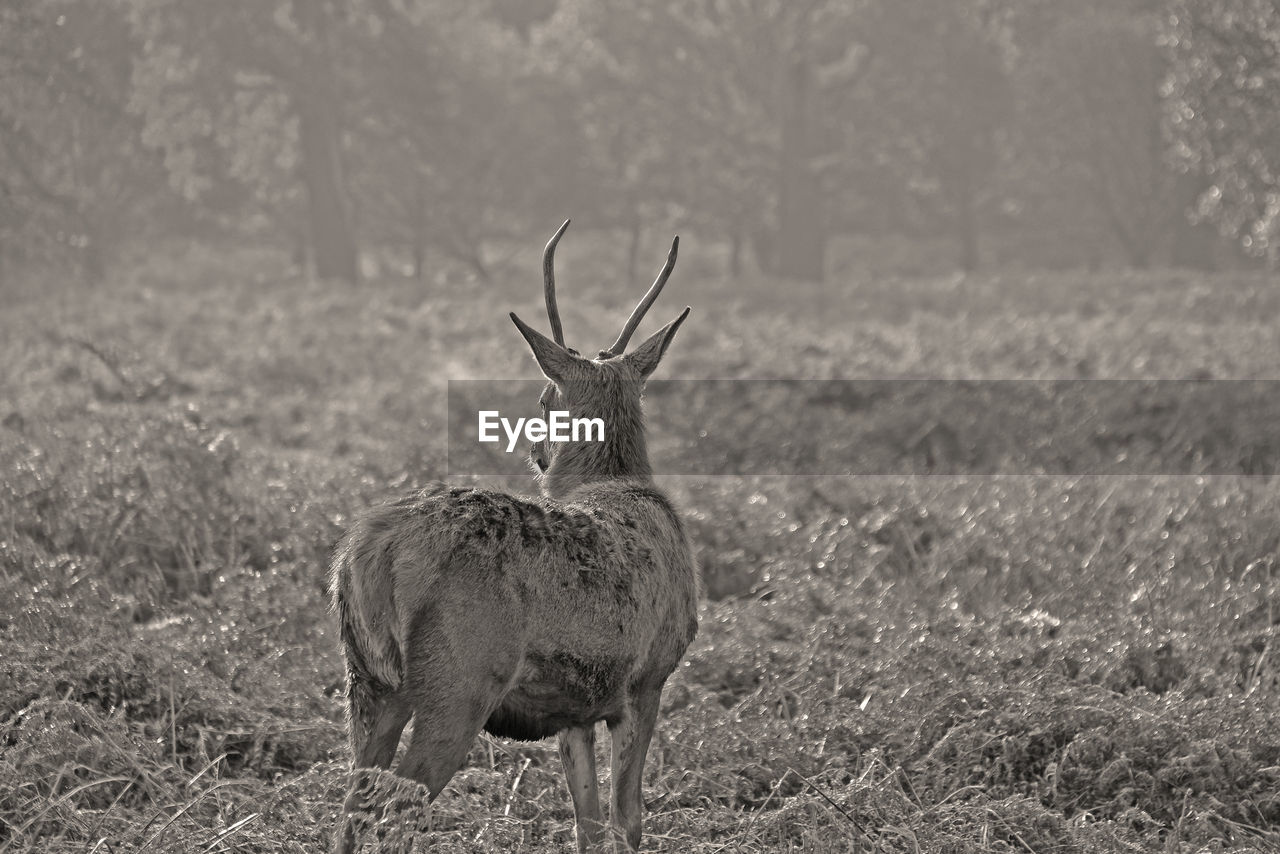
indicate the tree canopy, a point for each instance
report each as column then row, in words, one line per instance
column 447, row 129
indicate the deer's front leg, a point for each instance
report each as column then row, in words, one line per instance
column 578, row 755
column 630, row 736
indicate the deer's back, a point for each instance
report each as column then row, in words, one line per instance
column 592, row 593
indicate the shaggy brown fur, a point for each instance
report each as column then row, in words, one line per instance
column 467, row 608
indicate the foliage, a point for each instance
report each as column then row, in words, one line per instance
column 246, row 99
column 784, row 111
column 1222, row 109
column 74, row 175
column 395, row 134
column 450, row 160
column 939, row 120
column 1092, row 106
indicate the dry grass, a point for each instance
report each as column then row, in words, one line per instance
column 1034, row 664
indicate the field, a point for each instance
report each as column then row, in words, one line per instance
column 892, row 663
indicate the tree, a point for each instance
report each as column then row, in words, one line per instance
column 1091, row 124
column 937, row 113
column 463, row 138
column 729, row 109
column 771, row 116
column 74, row 177
column 1223, row 112
column 251, row 91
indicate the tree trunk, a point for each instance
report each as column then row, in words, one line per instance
column 419, row 228
column 763, row 243
column 328, row 218
column 1137, row 252
column 802, row 238
column 95, row 263
column 969, row 254
column 735, row 253
column 419, row 260
column 965, row 219
column 967, row 231
column 1135, row 245
column 315, row 98
column 299, row 250
column 475, row 260
column 93, row 257
column 1193, row 243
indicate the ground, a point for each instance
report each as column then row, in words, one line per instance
column 927, row 663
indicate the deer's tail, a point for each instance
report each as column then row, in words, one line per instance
column 364, row 599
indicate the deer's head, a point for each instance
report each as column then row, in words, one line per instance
column 608, row 387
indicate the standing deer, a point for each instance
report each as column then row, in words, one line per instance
column 469, row 609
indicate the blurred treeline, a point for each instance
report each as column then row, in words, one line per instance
column 1042, row 133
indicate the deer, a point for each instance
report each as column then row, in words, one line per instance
column 470, row 609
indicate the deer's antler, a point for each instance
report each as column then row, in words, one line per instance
column 549, row 284
column 638, row 315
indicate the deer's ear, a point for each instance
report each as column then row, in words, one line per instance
column 553, row 359
column 646, row 357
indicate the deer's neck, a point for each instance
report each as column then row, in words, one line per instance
column 622, row 455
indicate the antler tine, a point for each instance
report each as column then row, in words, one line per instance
column 656, row 288
column 549, row 284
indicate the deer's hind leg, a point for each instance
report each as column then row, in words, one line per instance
column 578, row 756
column 375, row 726
column 455, row 686
column 630, row 736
